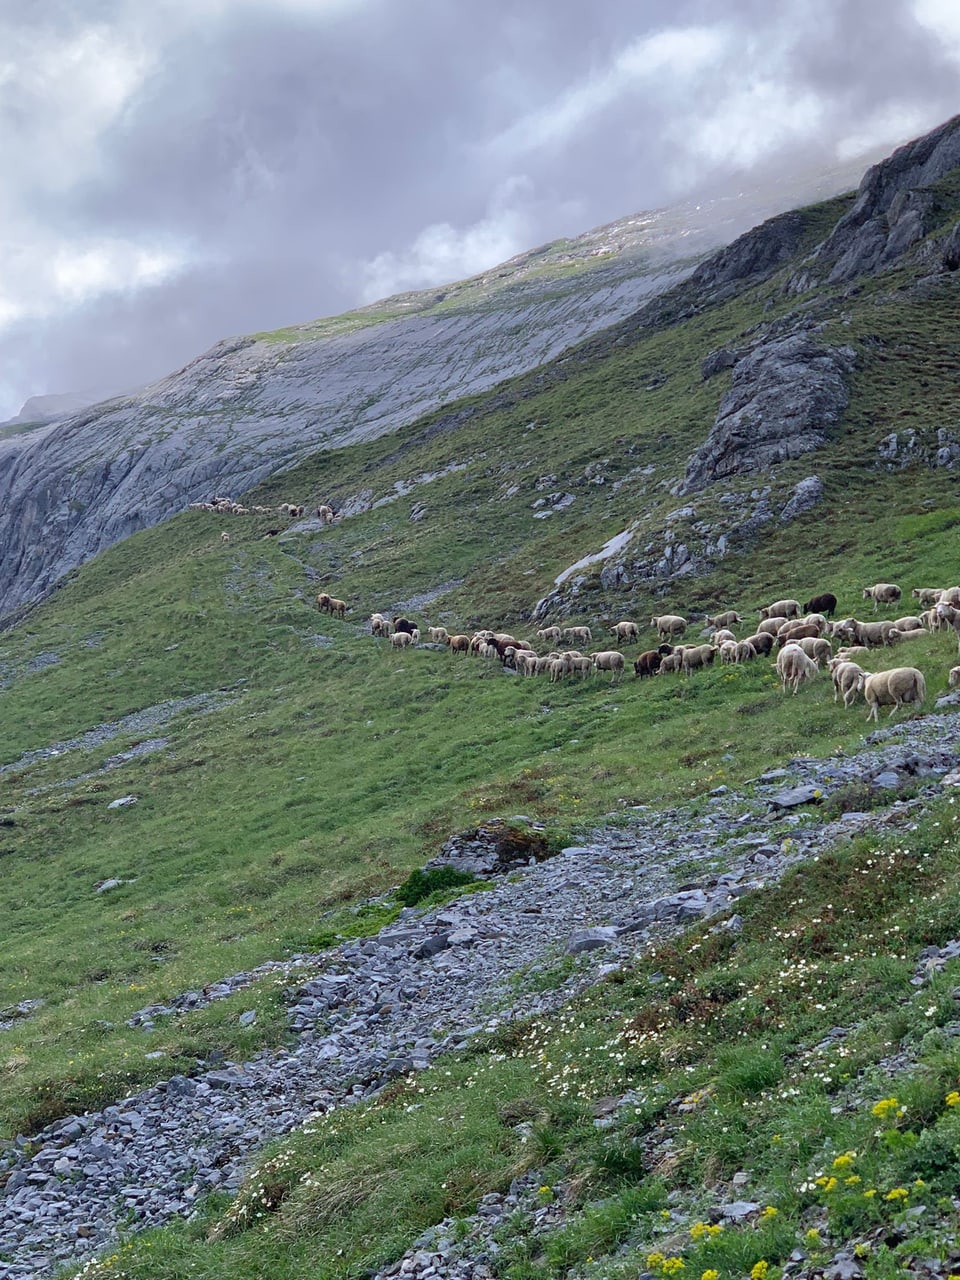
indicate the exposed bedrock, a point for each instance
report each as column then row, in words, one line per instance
column 783, row 397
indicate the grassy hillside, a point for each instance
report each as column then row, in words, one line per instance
column 287, row 766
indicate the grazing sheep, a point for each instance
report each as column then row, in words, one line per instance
column 583, row 634
column 771, row 626
column 948, row 614
column 224, row 537
column 609, row 660
column 745, row 651
column 552, row 635
column 401, row 639
column 954, row 677
column 796, row 631
column 872, row 634
column 325, row 514
column 794, row 667
column 728, row 651
column 669, row 624
column 846, row 681
column 781, row 609
column 648, row 662
column 927, row 595
column 818, row 648
column 897, row 687
column 696, row 656
column 815, row 619
column 762, row 642
column 437, row 634
column 849, row 652
column 825, row 603
column 525, row 661
column 670, row 662
column 882, row 593
column 623, row 631
column 379, row 625
column 339, row 607
column 722, row 636
column 458, row 644
column 403, row 624
column 910, row 623
column 730, row 618
column 895, row 635
column 323, row 601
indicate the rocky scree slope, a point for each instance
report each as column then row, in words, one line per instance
column 368, row 1012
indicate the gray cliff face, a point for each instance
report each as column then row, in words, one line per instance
column 250, row 407
column 892, row 208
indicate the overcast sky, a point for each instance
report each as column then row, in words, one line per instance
column 177, row 171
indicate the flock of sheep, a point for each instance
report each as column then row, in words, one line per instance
column 801, row 635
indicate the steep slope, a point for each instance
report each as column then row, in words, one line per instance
column 254, row 405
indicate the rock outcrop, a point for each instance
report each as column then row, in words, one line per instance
column 892, row 209
column 785, row 394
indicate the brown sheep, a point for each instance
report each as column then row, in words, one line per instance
column 458, row 644
column 825, row 603
column 648, row 662
column 323, row 601
column 762, row 642
column 339, row 607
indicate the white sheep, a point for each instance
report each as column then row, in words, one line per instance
column 954, row 677
column 770, row 626
column 882, row 593
column 721, row 636
column 910, row 623
column 728, row 651
column 578, row 633
column 897, row 686
column 552, row 635
column 846, row 678
column 746, row 651
column 401, row 639
column 927, row 595
column 609, row 660
column 818, row 648
column 728, row 618
column 794, row 667
column 623, row 631
column 781, row 609
column 895, row 635
column 669, row 624
column 693, row 657
column 951, row 616
column 437, row 634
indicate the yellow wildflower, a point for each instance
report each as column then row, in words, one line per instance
column 844, row 1161
column 711, row 1274
column 759, row 1270
column 952, row 1099
column 897, row 1193
column 671, row 1266
column 769, row 1212
column 887, row 1109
